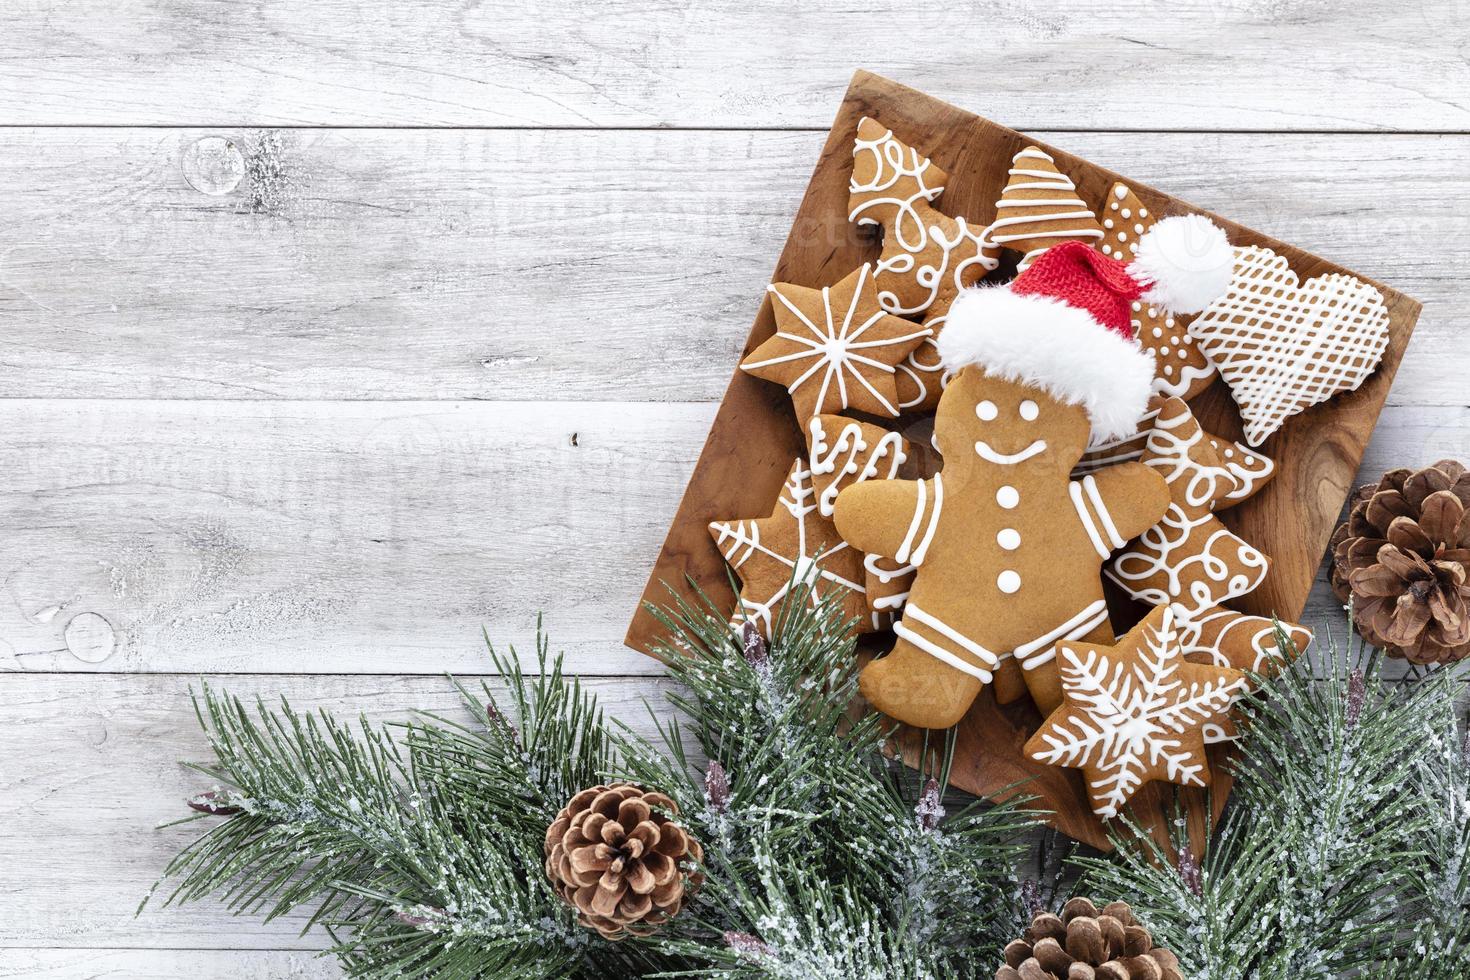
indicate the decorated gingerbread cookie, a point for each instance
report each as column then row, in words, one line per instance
column 890, row 179
column 834, row 347
column 1180, row 368
column 843, row 452
column 1226, row 638
column 1189, row 558
column 1135, row 712
column 1250, row 470
column 1039, row 208
column 1006, row 545
column 1283, row 345
column 796, row 544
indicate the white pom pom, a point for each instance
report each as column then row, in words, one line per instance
column 1184, row 263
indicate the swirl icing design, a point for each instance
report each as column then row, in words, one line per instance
column 1283, row 345
column 1039, row 207
column 889, row 181
column 1188, row 559
column 845, row 451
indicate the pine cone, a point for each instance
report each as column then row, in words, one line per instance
column 1402, row 558
column 1083, row 944
column 614, row 858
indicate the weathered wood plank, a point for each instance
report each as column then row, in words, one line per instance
column 513, row 265
column 162, row 964
column 82, row 793
column 329, row 536
column 1371, row 65
column 364, row 537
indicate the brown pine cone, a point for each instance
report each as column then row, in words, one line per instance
column 615, row 858
column 1084, row 944
column 1402, row 558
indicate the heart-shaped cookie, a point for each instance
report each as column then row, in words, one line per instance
column 1282, row 345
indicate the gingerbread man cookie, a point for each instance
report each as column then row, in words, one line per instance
column 1189, row 558
column 1006, row 547
column 1134, row 712
column 835, row 348
column 796, row 544
column 1181, row 368
column 1039, row 208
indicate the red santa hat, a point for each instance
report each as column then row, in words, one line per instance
column 1065, row 324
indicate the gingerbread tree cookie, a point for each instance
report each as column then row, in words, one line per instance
column 890, row 179
column 1181, row 368
column 1189, row 558
column 928, row 256
column 1135, row 712
column 1039, row 208
column 796, row 544
column 834, row 347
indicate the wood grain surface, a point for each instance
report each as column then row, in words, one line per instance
column 227, row 227
column 755, row 436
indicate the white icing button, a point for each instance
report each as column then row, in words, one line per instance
column 987, row 411
column 1182, row 352
column 1007, row 497
column 1107, row 250
column 1029, row 410
column 1120, row 192
column 1008, row 538
column 1137, row 306
column 1125, row 213
column 1143, row 212
column 1115, row 205
column 1008, row 581
column 1168, row 369
column 1107, row 222
column 1152, row 311
column 1122, row 236
column 1158, row 332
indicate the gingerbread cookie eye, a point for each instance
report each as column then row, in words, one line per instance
column 1029, row 410
column 986, row 411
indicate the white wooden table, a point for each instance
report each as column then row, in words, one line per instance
column 331, row 332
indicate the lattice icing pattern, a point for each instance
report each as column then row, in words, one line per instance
column 1283, row 345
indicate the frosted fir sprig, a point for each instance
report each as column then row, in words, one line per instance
column 1322, row 865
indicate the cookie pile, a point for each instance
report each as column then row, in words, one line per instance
column 1070, row 457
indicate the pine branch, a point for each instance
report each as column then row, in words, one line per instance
column 1316, row 862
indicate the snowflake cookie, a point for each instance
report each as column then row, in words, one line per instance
column 796, row 545
column 834, row 348
column 1135, row 712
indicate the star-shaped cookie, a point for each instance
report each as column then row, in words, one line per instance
column 795, row 545
column 835, row 348
column 1135, row 712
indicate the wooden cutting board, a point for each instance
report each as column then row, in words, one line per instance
column 755, row 436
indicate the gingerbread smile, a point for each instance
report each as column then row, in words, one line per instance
column 1003, row 459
